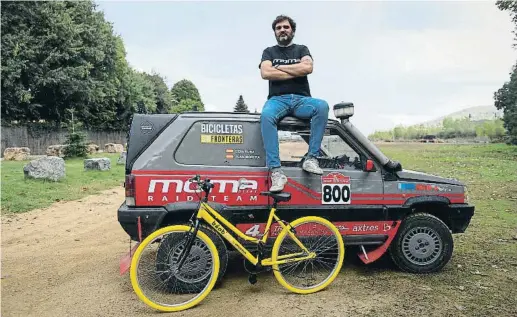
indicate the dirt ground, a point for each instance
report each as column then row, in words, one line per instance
column 63, row 261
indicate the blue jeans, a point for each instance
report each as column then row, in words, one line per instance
column 298, row 106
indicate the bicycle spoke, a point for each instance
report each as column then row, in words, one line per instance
column 313, row 272
column 158, row 262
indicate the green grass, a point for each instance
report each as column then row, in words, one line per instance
column 489, row 245
column 490, row 173
column 20, row 194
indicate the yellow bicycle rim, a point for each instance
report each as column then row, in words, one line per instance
column 340, row 258
column 197, row 299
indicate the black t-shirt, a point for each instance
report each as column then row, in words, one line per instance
column 292, row 54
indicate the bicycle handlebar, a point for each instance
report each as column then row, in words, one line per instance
column 205, row 185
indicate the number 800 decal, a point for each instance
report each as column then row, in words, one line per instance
column 335, row 189
column 335, row 193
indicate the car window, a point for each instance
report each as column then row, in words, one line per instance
column 292, row 147
column 335, row 152
column 334, row 145
column 222, row 143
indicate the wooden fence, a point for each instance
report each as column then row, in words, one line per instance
column 38, row 142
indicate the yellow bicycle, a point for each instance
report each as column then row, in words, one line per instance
column 185, row 263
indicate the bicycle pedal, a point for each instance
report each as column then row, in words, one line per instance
column 252, row 278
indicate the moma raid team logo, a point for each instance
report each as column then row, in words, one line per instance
column 225, row 190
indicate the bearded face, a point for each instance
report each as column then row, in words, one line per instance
column 284, row 33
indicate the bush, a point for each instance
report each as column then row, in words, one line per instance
column 76, row 145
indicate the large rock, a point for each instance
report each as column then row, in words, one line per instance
column 49, row 168
column 56, row 150
column 16, row 153
column 122, row 158
column 92, row 148
column 101, row 164
column 113, row 148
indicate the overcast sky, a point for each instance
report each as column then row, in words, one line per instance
column 399, row 62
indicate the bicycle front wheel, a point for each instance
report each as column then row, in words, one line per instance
column 318, row 235
column 153, row 269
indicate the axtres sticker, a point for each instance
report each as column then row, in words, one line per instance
column 335, row 189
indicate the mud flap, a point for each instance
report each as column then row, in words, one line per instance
column 375, row 254
column 125, row 261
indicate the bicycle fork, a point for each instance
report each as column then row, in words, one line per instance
column 188, row 246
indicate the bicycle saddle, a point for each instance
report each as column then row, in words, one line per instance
column 281, row 196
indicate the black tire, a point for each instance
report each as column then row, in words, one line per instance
column 218, row 241
column 221, row 249
column 423, row 244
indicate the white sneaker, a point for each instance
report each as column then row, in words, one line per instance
column 311, row 165
column 278, row 181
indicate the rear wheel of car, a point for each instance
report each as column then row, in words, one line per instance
column 423, row 244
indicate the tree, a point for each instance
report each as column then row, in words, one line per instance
column 144, row 94
column 506, row 97
column 511, row 6
column 186, row 105
column 55, row 56
column 122, row 102
column 163, row 95
column 241, row 106
column 75, row 145
column 64, row 55
column 75, row 140
column 398, row 132
column 185, row 91
column 18, row 53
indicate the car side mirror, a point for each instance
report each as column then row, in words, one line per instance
column 369, row 166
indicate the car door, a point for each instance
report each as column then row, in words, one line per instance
column 347, row 194
column 346, row 180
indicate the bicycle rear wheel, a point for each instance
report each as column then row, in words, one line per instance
column 318, row 235
column 153, row 266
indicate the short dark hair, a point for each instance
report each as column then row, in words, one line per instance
column 281, row 18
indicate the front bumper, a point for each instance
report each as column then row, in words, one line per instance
column 460, row 216
column 150, row 218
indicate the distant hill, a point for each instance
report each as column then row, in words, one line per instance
column 477, row 113
column 476, row 124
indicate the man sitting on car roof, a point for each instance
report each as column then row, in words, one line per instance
column 286, row 66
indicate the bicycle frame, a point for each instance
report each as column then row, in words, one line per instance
column 212, row 217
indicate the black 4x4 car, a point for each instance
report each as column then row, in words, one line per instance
column 377, row 205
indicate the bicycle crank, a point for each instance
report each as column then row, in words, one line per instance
column 252, row 278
